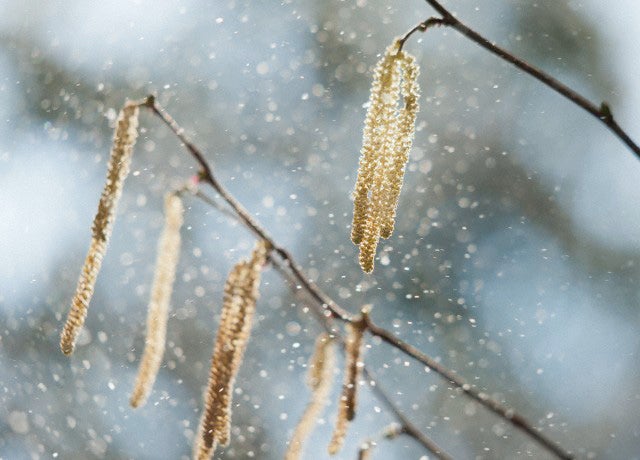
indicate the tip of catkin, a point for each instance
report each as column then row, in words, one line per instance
column 67, row 349
column 134, row 401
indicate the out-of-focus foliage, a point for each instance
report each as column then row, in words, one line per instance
column 515, row 258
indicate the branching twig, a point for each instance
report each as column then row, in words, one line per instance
column 602, row 111
column 330, row 309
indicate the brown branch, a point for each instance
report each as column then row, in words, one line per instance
column 330, row 309
column 407, row 426
column 484, row 399
column 600, row 111
column 245, row 217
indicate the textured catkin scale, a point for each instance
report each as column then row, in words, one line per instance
column 386, row 142
column 240, row 296
column 348, row 400
column 124, row 140
column 161, row 289
column 320, row 380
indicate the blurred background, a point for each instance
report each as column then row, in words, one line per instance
column 515, row 259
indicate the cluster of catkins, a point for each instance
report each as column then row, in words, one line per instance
column 241, row 293
column 387, row 139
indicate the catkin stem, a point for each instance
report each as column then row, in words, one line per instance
column 124, row 139
column 161, row 289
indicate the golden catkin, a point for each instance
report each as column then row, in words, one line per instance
column 124, row 139
column 240, row 295
column 383, row 84
column 347, row 403
column 403, row 140
column 161, row 289
column 320, row 380
column 386, row 142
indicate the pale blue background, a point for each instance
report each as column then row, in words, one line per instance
column 515, row 259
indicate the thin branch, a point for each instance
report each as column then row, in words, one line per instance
column 330, row 309
column 422, row 27
column 602, row 111
column 407, row 426
column 484, row 399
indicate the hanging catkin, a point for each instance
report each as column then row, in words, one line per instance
column 161, row 289
column 403, row 140
column 347, row 403
column 320, row 380
column 240, row 295
column 386, row 142
column 124, row 139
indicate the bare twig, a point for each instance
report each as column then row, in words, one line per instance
column 406, row 425
column 600, row 111
column 484, row 399
column 330, row 309
column 421, row 27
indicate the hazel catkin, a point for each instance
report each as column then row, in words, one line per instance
column 161, row 289
column 386, row 142
column 124, row 139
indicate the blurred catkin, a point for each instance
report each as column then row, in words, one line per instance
column 161, row 289
column 347, row 403
column 124, row 139
column 386, row 142
column 392, row 431
column 240, row 295
column 319, row 379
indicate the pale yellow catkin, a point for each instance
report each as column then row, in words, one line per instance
column 240, row 296
column 382, row 85
column 386, row 142
column 161, row 289
column 124, row 139
column 319, row 379
column 402, row 140
column 347, row 403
